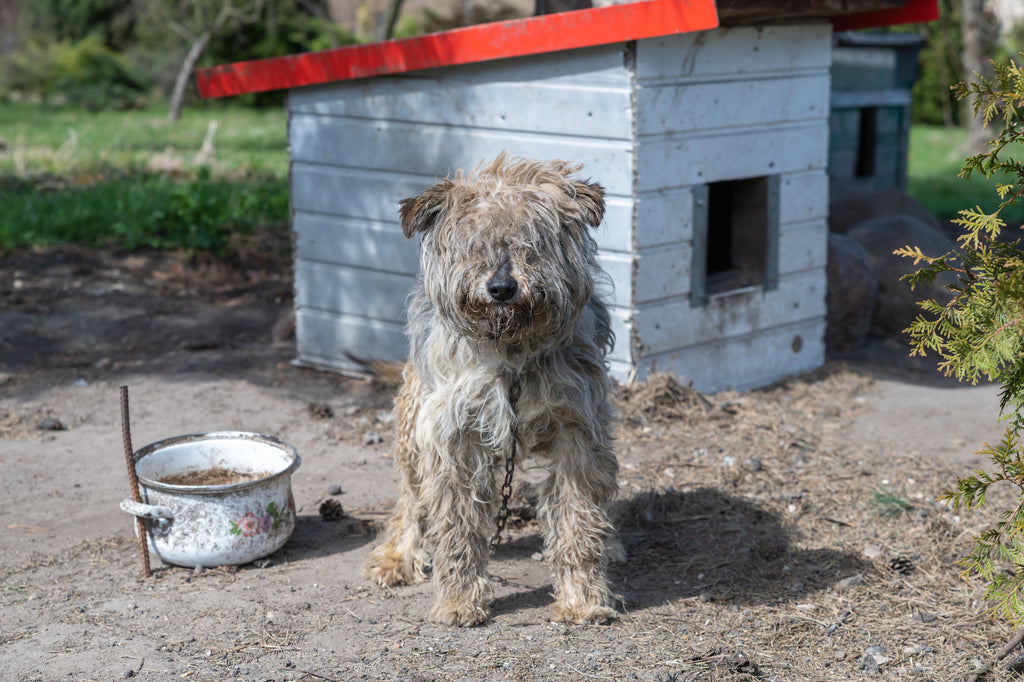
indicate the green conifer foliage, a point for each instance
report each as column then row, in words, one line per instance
column 979, row 334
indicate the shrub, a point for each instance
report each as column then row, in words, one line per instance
column 74, row 20
column 85, row 73
column 939, row 66
column 979, row 334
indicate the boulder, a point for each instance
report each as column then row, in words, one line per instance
column 848, row 208
column 852, row 287
column 896, row 303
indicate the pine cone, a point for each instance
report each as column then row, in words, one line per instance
column 330, row 510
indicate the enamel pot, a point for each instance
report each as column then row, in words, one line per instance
column 222, row 523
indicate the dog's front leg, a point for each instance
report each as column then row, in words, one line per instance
column 577, row 529
column 461, row 501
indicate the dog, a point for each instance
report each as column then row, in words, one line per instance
column 508, row 339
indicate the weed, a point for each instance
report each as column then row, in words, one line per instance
column 889, row 503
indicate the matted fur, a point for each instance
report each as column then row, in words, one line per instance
column 506, row 293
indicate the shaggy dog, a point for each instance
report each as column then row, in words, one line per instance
column 508, row 342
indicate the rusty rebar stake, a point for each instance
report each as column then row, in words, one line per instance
column 133, row 478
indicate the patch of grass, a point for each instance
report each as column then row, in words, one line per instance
column 935, row 157
column 136, row 210
column 132, row 179
column 889, row 504
column 44, row 140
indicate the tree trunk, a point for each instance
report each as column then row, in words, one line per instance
column 980, row 32
column 10, row 23
column 181, row 82
column 387, row 27
column 554, row 6
column 228, row 12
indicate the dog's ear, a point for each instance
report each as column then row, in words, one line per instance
column 589, row 196
column 419, row 214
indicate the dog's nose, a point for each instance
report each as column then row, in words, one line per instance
column 501, row 286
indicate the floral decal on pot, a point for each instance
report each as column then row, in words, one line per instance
column 261, row 522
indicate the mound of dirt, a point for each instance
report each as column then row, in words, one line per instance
column 660, row 398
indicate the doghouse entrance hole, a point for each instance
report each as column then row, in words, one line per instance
column 735, row 237
column 867, row 142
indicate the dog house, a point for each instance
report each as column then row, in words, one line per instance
column 872, row 78
column 708, row 126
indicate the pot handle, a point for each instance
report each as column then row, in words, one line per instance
column 146, row 511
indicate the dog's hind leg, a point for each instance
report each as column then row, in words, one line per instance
column 577, row 529
column 402, row 559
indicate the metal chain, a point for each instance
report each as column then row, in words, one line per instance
column 514, row 390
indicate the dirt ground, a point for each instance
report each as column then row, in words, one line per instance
column 789, row 533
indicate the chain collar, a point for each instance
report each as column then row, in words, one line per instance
column 514, row 389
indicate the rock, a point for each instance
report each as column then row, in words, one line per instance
column 869, row 665
column 848, row 208
column 872, row 551
column 50, row 424
column 852, row 289
column 874, row 656
column 372, row 438
column 847, row 583
column 334, row 489
column 896, row 303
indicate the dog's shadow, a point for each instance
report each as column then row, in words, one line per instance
column 315, row 537
column 702, row 544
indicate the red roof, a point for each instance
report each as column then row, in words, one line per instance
column 499, row 40
column 913, row 12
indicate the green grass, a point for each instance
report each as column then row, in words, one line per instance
column 142, row 210
column 935, row 158
column 42, row 140
column 130, row 180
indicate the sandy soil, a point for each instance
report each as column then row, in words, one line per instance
column 783, row 534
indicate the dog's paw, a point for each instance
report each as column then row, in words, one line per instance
column 583, row 614
column 387, row 576
column 460, row 613
column 390, row 567
column 389, row 571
